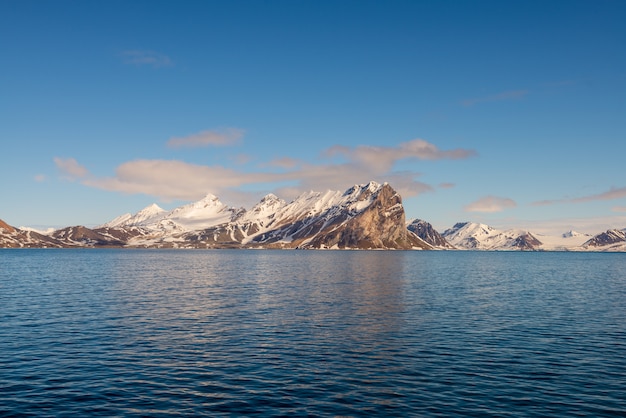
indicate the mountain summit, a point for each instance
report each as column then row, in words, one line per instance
column 366, row 216
column 476, row 236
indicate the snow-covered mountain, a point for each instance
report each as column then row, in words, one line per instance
column 573, row 234
column 364, row 216
column 567, row 241
column 11, row 237
column 611, row 240
column 145, row 216
column 476, row 236
column 204, row 213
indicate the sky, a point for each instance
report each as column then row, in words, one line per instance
column 509, row 113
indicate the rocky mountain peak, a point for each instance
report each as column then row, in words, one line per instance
column 571, row 234
column 426, row 232
column 380, row 224
column 609, row 237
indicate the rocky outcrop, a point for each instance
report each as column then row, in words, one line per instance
column 85, row 237
column 526, row 242
column 427, row 233
column 11, row 237
column 380, row 225
column 607, row 238
column 6, row 228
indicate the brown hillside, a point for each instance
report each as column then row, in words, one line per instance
column 6, row 227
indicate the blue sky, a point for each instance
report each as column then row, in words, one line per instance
column 510, row 113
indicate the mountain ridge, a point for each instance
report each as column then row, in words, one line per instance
column 365, row 216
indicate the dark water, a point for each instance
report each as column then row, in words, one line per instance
column 311, row 333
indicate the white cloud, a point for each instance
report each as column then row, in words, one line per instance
column 173, row 179
column 229, row 136
column 39, row 178
column 611, row 194
column 557, row 226
column 143, row 57
column 70, row 169
column 284, row 162
column 383, row 158
column 490, row 204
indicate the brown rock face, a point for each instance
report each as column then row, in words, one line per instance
column 7, row 228
column 612, row 236
column 381, row 225
column 527, row 242
column 426, row 232
column 81, row 236
column 11, row 237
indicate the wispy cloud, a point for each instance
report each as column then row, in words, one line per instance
column 226, row 137
column 490, row 204
column 284, row 162
column 143, row 57
column 544, row 202
column 173, row 179
column 611, row 194
column 560, row 224
column 241, row 159
column 39, row 178
column 446, row 185
column 383, row 158
column 619, row 209
column 70, row 168
column 505, row 95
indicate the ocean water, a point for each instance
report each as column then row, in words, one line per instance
column 166, row 333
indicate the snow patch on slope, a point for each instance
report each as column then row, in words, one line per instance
column 204, row 213
column 477, row 236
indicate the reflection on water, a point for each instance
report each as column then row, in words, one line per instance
column 394, row 333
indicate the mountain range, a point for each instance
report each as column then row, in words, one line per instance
column 366, row 216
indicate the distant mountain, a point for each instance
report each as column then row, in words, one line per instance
column 11, row 237
column 426, row 232
column 573, row 234
column 567, row 241
column 204, row 213
column 144, row 216
column 476, row 236
column 84, row 237
column 610, row 240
